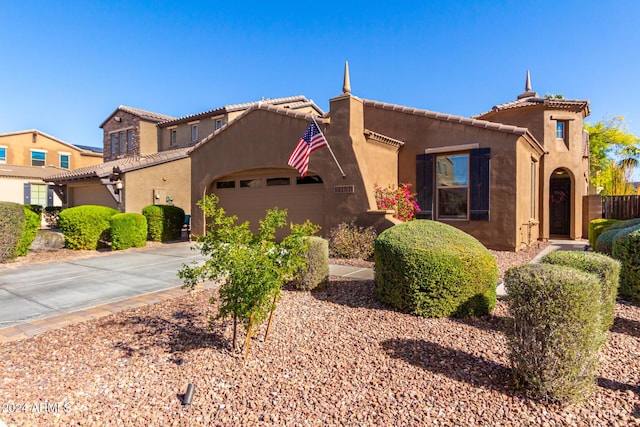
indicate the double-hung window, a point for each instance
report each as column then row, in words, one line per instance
column 38, row 157
column 121, row 147
column 173, row 137
column 114, row 143
column 64, row 160
column 3, row 154
column 454, row 185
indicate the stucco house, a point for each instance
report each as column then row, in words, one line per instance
column 146, row 157
column 28, row 158
column 509, row 176
column 508, row 181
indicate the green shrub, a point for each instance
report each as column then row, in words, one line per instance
column 555, row 331
column 128, row 230
column 11, row 226
column 626, row 249
column 316, row 273
column 432, row 269
column 164, row 222
column 86, row 227
column 607, row 269
column 604, row 244
column 597, row 227
column 351, row 241
column 625, row 223
column 51, row 214
column 29, row 231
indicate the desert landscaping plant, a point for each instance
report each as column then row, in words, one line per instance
column 252, row 267
column 315, row 273
column 597, row 227
column 399, row 199
column 29, row 231
column 348, row 240
column 432, row 269
column 606, row 268
column 86, row 226
column 164, row 222
column 128, row 230
column 626, row 249
column 555, row 332
column 11, row 226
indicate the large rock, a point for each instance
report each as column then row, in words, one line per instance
column 47, row 240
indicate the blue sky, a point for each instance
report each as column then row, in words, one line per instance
column 65, row 66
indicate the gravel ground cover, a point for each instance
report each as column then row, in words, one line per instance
column 333, row 357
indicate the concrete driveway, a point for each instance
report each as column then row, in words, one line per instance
column 39, row 291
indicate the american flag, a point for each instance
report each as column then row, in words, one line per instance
column 310, row 142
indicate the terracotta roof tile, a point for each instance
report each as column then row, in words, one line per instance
column 560, row 104
column 125, row 164
column 449, row 118
column 294, row 102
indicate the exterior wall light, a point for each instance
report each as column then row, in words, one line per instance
column 119, row 185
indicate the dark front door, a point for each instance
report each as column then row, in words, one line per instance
column 560, row 205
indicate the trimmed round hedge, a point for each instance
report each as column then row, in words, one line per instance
column 597, row 227
column 555, row 331
column 164, row 222
column 128, row 230
column 606, row 268
column 29, row 232
column 432, row 269
column 604, row 243
column 11, row 228
column 84, row 227
column 316, row 273
column 626, row 249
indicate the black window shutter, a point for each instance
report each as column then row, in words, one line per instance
column 479, row 180
column 424, row 184
column 27, row 194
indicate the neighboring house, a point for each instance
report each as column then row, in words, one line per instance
column 28, row 158
column 503, row 183
column 146, row 156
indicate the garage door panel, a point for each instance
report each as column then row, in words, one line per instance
column 302, row 202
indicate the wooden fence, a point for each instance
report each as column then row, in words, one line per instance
column 621, row 207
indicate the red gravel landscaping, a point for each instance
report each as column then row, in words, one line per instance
column 333, row 357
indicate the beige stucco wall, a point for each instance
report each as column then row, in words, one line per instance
column 169, row 179
column 508, row 208
column 19, row 146
column 89, row 193
column 148, row 138
column 541, row 122
column 237, row 149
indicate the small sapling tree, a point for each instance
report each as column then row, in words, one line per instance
column 252, row 267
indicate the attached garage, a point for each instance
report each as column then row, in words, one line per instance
column 250, row 194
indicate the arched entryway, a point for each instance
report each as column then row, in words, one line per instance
column 560, row 203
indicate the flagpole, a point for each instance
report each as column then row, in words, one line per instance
column 328, row 146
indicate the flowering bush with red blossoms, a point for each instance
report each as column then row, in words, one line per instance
column 400, row 199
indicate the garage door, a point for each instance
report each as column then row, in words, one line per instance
column 249, row 196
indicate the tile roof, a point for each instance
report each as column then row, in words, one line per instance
column 125, row 164
column 143, row 114
column 293, row 103
column 449, row 117
column 34, row 172
column 555, row 103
